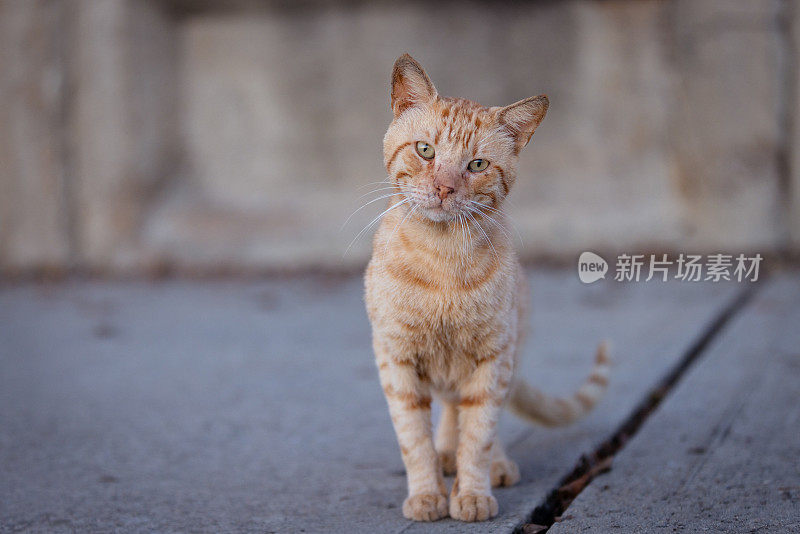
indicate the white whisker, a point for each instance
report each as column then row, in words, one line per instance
column 387, row 195
column 484, row 138
column 378, row 191
column 485, row 235
column 465, row 235
column 372, row 183
column 492, row 220
column 372, row 222
column 412, row 210
column 507, row 218
column 460, row 226
column 486, row 206
column 469, row 231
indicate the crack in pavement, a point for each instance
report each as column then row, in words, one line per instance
column 599, row 460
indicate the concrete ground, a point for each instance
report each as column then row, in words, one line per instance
column 723, row 452
column 254, row 406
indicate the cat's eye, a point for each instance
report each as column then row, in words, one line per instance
column 478, row 165
column 425, row 150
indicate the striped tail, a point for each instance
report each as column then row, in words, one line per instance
column 538, row 407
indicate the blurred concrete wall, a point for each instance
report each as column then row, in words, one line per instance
column 138, row 134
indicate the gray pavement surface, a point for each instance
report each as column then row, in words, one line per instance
column 722, row 454
column 254, row 406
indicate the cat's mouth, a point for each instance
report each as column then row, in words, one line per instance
column 441, row 211
column 437, row 214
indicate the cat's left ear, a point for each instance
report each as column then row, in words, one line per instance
column 522, row 118
column 410, row 85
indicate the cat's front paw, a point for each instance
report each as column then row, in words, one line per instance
column 425, row 507
column 504, row 473
column 468, row 507
column 447, row 459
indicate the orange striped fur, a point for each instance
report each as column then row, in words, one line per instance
column 447, row 298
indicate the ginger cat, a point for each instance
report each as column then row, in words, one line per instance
column 447, row 297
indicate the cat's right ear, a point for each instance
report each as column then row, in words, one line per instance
column 410, row 85
column 522, row 118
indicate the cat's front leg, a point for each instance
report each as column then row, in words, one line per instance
column 410, row 407
column 471, row 498
column 446, row 439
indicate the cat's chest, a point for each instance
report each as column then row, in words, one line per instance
column 445, row 330
column 448, row 312
column 449, row 347
column 451, row 326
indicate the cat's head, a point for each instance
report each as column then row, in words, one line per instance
column 449, row 154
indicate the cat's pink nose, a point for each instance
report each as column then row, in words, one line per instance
column 444, row 190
